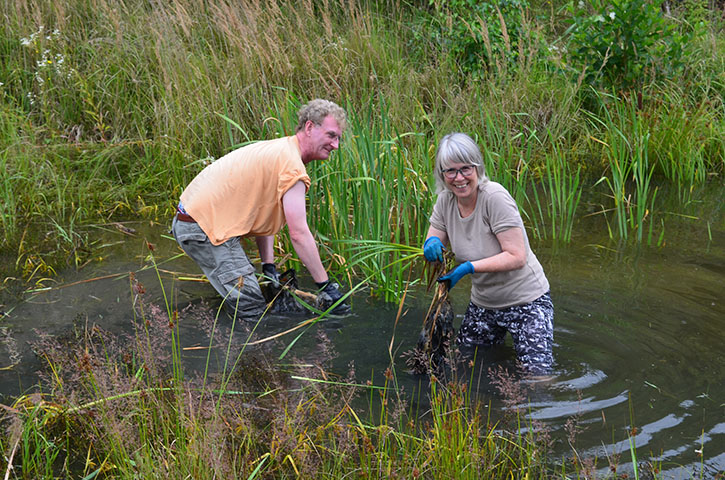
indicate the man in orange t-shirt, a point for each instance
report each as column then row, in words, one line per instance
column 254, row 191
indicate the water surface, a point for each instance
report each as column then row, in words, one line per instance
column 638, row 332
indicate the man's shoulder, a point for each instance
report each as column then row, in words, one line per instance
column 280, row 143
column 282, row 148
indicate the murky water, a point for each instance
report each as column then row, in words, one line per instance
column 639, row 340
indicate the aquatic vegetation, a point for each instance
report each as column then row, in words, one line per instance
column 563, row 187
column 154, row 404
column 115, row 408
column 431, row 353
column 626, row 148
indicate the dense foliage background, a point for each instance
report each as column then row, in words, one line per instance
column 108, row 109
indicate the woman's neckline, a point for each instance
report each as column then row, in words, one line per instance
column 466, row 208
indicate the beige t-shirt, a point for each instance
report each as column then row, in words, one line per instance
column 474, row 237
column 241, row 193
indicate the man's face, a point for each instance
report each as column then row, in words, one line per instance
column 324, row 138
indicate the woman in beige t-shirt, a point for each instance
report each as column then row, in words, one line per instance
column 481, row 223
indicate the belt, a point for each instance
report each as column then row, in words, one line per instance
column 183, row 217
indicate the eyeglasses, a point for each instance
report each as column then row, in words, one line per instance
column 466, row 171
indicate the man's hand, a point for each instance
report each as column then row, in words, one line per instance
column 433, row 249
column 457, row 273
column 329, row 294
column 270, row 271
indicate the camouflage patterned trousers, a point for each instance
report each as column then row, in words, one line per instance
column 531, row 326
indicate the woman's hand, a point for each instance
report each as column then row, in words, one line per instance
column 433, row 249
column 457, row 273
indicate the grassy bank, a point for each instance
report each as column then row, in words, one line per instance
column 108, row 109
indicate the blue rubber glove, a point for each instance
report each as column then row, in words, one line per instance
column 433, row 249
column 457, row 273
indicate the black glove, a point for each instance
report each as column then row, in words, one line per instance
column 270, row 271
column 329, row 294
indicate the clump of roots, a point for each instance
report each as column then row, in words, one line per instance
column 431, row 352
column 282, row 297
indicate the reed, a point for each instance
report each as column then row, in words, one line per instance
column 562, row 190
column 626, row 148
column 685, row 142
column 351, row 208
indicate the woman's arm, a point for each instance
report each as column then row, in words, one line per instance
column 512, row 256
column 434, row 232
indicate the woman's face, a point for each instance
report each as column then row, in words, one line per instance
column 462, row 180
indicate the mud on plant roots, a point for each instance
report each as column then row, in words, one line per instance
column 437, row 331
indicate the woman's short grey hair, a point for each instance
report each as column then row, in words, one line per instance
column 457, row 148
column 316, row 111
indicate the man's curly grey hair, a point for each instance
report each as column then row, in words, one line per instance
column 316, row 110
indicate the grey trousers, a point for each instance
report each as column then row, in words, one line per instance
column 227, row 268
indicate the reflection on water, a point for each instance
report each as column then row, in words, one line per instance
column 638, row 342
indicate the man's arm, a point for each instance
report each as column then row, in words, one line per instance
column 265, row 244
column 303, row 242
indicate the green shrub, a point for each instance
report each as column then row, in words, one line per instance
column 623, row 43
column 479, row 37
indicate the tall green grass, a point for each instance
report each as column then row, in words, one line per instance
column 686, row 143
column 109, row 110
column 376, row 190
column 563, row 187
column 629, row 179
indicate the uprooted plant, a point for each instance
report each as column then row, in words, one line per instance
column 431, row 352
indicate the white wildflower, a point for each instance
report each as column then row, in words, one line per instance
column 599, row 18
column 611, row 15
column 31, row 39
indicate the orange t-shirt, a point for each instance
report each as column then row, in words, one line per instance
column 241, row 193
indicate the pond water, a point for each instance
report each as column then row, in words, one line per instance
column 638, row 332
